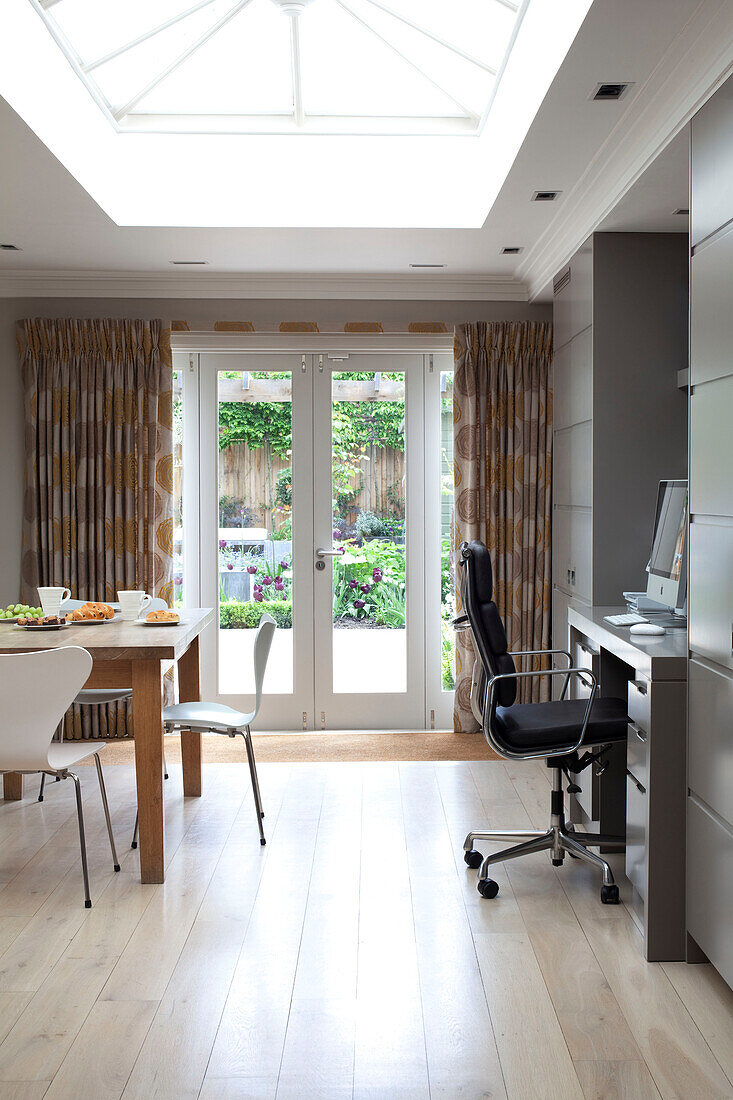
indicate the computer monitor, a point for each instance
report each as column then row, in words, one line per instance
column 667, row 569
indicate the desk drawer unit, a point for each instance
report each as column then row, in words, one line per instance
column 637, row 743
column 637, row 809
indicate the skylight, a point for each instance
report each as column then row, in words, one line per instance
column 287, row 66
column 285, row 113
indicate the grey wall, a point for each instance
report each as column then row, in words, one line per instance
column 200, row 314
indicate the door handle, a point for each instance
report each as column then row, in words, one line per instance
column 323, row 553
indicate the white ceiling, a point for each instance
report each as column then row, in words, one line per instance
column 592, row 152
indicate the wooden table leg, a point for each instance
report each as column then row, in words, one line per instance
column 189, row 691
column 147, row 716
column 13, row 786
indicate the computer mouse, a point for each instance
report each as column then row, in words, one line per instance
column 647, row 628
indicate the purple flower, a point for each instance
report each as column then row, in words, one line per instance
column 358, row 604
column 222, row 545
column 267, row 580
column 377, row 574
column 258, row 597
column 279, row 586
column 353, row 584
column 336, row 534
column 284, row 564
column 365, row 588
column 230, row 566
column 252, row 569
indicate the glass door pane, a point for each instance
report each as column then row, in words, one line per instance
column 369, row 518
column 257, row 529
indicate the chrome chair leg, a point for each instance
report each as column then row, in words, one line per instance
column 105, row 803
column 501, row 834
column 570, row 844
column 536, row 844
column 255, row 783
column 82, row 839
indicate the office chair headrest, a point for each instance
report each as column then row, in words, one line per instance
column 483, row 576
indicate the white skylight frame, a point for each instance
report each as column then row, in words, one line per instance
column 130, row 116
column 273, row 181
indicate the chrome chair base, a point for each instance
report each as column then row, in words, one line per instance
column 559, row 839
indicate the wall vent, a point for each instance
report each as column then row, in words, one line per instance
column 609, row 91
column 545, row 196
column 561, row 281
column 511, row 250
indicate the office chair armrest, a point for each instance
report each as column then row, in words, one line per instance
column 586, row 677
column 542, row 653
column 461, row 623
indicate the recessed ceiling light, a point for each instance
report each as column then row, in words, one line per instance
column 10, row 248
column 545, row 196
column 189, row 263
column 609, row 91
column 681, row 210
column 511, row 250
column 433, row 266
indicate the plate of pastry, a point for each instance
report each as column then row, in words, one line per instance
column 46, row 622
column 91, row 614
column 161, row 618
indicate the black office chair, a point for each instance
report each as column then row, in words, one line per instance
column 523, row 731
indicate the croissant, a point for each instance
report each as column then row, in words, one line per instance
column 90, row 611
column 163, row 617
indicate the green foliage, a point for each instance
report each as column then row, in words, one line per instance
column 368, row 526
column 385, row 601
column 235, row 615
column 447, row 655
column 257, row 424
column 284, row 488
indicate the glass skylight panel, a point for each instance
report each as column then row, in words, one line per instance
column 288, row 66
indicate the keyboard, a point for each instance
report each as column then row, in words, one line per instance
column 629, row 619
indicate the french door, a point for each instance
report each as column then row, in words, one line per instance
column 321, row 499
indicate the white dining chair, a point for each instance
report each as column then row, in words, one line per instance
column 37, row 690
column 97, row 697
column 218, row 718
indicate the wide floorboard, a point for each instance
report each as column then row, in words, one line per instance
column 349, row 958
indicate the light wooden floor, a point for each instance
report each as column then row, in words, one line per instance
column 351, row 957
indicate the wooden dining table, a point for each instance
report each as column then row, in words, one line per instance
column 129, row 654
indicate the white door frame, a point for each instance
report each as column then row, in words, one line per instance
column 187, row 348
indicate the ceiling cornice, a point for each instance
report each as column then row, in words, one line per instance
column 115, row 284
column 696, row 63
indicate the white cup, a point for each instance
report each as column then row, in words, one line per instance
column 133, row 603
column 52, row 598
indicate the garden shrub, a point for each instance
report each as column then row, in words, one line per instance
column 368, row 525
column 235, row 615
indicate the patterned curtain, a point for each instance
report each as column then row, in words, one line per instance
column 502, row 426
column 98, row 506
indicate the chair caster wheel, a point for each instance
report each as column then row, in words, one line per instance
column 487, row 888
column 134, row 844
column 609, row 895
column 263, row 843
column 473, row 858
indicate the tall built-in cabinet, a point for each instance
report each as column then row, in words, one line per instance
column 710, row 709
column 620, row 419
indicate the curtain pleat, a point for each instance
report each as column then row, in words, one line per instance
column 502, row 424
column 98, row 505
